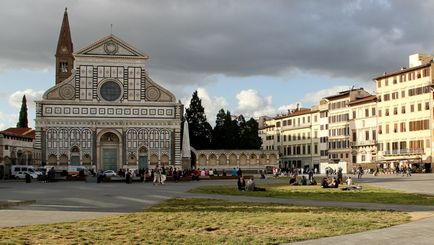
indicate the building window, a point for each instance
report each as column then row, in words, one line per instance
column 110, row 91
column 402, row 127
column 6, row 147
column 412, row 108
column 402, row 79
column 403, row 109
column 426, row 105
column 63, row 67
column 373, row 111
column 419, row 106
column 403, row 94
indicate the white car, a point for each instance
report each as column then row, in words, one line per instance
column 109, row 173
column 22, row 175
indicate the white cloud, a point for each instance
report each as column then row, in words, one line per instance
column 211, row 104
column 315, row 97
column 253, row 104
column 31, row 95
column 7, row 120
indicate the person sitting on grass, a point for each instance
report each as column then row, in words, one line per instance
column 334, row 184
column 303, row 180
column 325, row 183
column 293, row 180
column 352, row 188
column 241, row 184
column 251, row 186
column 312, row 182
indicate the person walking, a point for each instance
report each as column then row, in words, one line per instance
column 157, row 176
column 163, row 175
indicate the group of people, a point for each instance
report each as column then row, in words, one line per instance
column 248, row 185
column 326, row 183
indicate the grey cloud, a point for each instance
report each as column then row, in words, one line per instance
column 192, row 40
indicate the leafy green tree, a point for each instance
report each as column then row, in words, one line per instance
column 22, row 121
column 226, row 133
column 249, row 138
column 199, row 128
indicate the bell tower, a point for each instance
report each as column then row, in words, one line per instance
column 64, row 56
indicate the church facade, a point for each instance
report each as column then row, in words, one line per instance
column 104, row 111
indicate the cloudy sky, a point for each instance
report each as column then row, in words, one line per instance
column 250, row 57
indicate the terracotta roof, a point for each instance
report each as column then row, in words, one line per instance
column 301, row 111
column 366, row 99
column 342, row 94
column 20, row 132
column 394, row 73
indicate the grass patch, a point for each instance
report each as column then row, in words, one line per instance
column 207, row 221
column 369, row 194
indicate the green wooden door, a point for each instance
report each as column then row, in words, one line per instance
column 75, row 160
column 143, row 161
column 109, row 159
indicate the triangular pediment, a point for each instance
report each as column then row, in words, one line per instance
column 111, row 46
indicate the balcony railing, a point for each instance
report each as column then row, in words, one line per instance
column 362, row 143
column 404, row 152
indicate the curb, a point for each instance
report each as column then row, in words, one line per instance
column 13, row 203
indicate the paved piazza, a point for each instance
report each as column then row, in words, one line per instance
column 67, row 201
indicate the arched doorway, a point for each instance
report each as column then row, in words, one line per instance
column 63, row 160
column 52, row 160
column 154, row 160
column 164, row 160
column 110, row 155
column 143, row 158
column 75, row 156
column 87, row 160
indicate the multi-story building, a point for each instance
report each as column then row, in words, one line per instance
column 323, row 131
column 16, row 148
column 295, row 136
column 339, row 147
column 363, row 130
column 404, row 108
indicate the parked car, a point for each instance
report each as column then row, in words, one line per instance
column 22, row 175
column 109, row 173
column 20, row 171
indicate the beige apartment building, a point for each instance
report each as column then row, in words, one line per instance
column 323, row 131
column 295, row 136
column 404, row 105
column 363, row 128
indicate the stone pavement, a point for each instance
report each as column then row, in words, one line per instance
column 66, row 201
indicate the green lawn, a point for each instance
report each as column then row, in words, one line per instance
column 207, row 221
column 369, row 194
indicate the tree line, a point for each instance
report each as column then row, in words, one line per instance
column 229, row 132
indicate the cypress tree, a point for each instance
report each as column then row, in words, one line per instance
column 22, row 121
column 199, row 128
